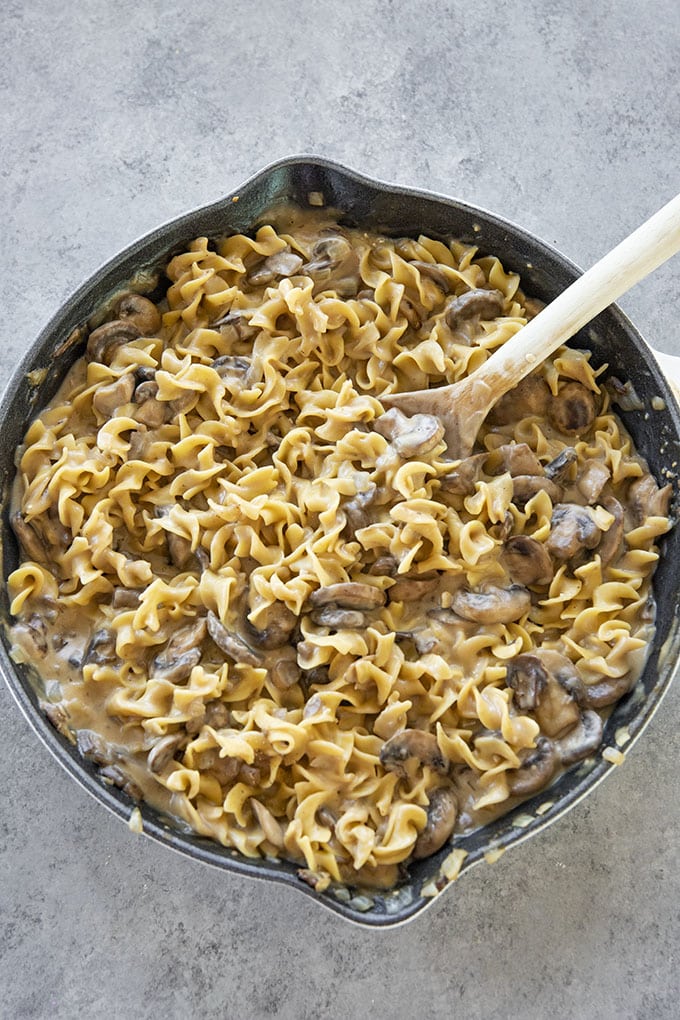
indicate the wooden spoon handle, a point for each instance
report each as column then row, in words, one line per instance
column 630, row 261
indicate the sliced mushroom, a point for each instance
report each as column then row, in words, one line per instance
column 424, row 433
column 285, row 674
column 279, row 623
column 558, row 468
column 94, row 748
column 231, row 644
column 495, row 605
column 607, row 691
column 646, row 499
column 217, row 715
column 176, row 668
column 31, row 543
column 357, row 510
column 188, row 637
column 583, row 740
column 146, row 391
column 411, row 588
column 572, row 528
column 610, row 543
column 527, row 561
column 283, row 263
column 349, row 595
column 546, row 683
column 141, row 311
column 384, row 566
column 435, row 273
column 339, row 619
column 487, row 304
column 519, row 459
column 573, row 410
column 412, row 743
column 234, row 368
column 592, row 480
column 179, row 548
column 163, row 751
column 33, row 632
column 441, row 819
column 152, row 413
column 101, row 649
column 125, row 598
column 525, row 487
column 410, row 437
column 530, row 397
column 463, row 478
column 268, row 823
column 537, row 768
column 58, row 714
column 113, row 775
column 104, row 340
column 328, row 253
column 113, row 395
column 410, row 313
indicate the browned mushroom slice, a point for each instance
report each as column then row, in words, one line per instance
column 646, row 499
column 610, row 544
column 33, row 632
column 572, row 528
column 525, row 487
column 94, row 748
column 339, row 619
column 163, row 751
column 141, row 311
column 145, row 390
column 188, row 637
column 462, row 479
column 104, row 340
column 487, row 304
column 233, row 368
column 231, row 644
column 558, row 468
column 434, row 272
column 408, row 310
column 328, row 253
column 530, row 397
column 357, row 510
column 107, row 398
column 582, row 741
column 285, row 674
column 31, row 543
column 519, row 459
column 592, row 480
column 179, row 548
column 411, row 743
column 573, row 410
column 175, row 668
column 101, row 649
column 546, row 683
column 279, row 623
column 283, row 263
column 125, row 598
column 495, row 605
column 424, row 432
column 349, row 595
column 391, row 423
column 113, row 775
column 58, row 714
column 527, row 561
column 441, row 819
column 411, row 588
column 152, row 413
column 384, row 566
column 537, row 768
column 237, row 323
column 607, row 691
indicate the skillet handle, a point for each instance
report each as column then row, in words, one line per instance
column 670, row 366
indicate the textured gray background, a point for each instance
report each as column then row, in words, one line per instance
column 562, row 116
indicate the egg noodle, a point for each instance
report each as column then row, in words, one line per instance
column 286, row 616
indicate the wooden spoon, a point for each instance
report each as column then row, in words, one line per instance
column 463, row 406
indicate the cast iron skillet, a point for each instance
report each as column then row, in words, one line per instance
column 398, row 211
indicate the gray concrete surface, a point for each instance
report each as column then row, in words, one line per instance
column 562, row 116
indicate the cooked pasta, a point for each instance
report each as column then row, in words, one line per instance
column 283, row 614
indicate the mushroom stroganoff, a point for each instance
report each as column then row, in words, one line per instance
column 269, row 606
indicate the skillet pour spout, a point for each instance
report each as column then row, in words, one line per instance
column 310, row 182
